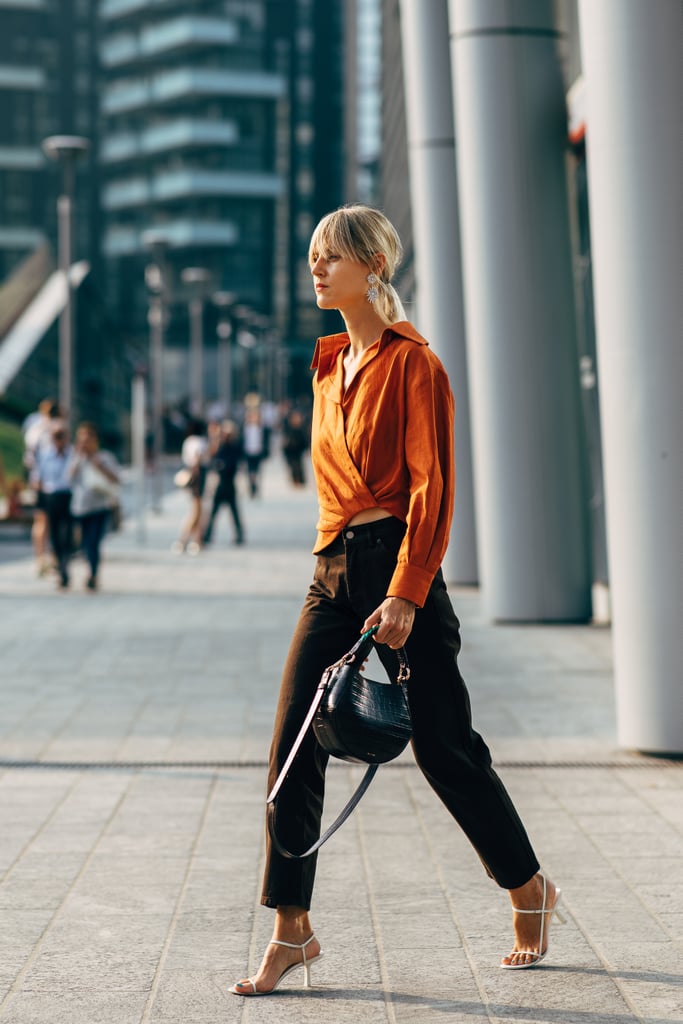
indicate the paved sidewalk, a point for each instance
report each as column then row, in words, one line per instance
column 134, row 731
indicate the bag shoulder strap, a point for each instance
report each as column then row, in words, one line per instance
column 337, row 823
column 360, row 648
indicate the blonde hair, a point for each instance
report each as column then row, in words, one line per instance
column 361, row 233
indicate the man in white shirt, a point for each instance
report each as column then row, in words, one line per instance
column 54, row 481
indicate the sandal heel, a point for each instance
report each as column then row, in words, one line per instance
column 240, row 989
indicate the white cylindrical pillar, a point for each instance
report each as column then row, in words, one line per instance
column 436, row 238
column 519, row 303
column 634, row 81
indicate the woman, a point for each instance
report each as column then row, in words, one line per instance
column 226, row 454
column 95, row 483
column 253, row 440
column 193, row 456
column 294, row 444
column 382, row 449
column 37, row 430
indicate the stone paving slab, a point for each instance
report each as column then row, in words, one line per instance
column 130, row 893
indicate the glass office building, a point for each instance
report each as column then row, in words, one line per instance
column 26, row 55
column 189, row 107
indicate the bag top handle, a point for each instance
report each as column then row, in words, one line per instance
column 361, row 649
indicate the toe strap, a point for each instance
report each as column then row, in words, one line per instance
column 243, row 984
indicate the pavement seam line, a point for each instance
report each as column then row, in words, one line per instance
column 26, row 847
column 180, row 899
column 135, row 718
column 376, row 927
column 74, row 710
column 446, row 895
column 253, row 940
column 13, row 991
column 609, row 971
column 673, row 935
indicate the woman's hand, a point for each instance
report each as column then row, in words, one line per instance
column 395, row 616
column 103, row 468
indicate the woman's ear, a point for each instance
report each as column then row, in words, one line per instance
column 379, row 263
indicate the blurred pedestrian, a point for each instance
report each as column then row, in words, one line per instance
column 193, row 456
column 383, row 460
column 95, row 480
column 50, row 474
column 224, row 461
column 254, row 448
column 36, row 429
column 270, row 418
column 295, row 441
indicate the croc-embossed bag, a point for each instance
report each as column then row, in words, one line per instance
column 355, row 719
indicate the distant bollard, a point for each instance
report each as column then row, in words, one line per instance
column 137, row 419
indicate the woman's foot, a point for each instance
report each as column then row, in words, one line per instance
column 533, row 907
column 293, row 945
column 279, row 959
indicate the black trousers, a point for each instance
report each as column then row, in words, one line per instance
column 225, row 494
column 58, row 509
column 93, row 529
column 350, row 581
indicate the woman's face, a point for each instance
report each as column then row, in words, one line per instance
column 340, row 283
column 86, row 442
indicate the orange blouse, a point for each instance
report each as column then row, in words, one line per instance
column 386, row 442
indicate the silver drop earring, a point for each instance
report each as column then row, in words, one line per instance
column 372, row 293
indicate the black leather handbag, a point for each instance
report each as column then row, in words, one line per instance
column 355, row 719
column 358, row 719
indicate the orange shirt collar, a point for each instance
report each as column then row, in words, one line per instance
column 328, row 348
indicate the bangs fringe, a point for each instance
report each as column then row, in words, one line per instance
column 335, row 234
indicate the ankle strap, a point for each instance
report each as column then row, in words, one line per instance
column 292, row 945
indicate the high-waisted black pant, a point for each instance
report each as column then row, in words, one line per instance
column 350, row 581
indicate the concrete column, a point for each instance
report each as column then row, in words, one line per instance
column 436, row 236
column 196, row 311
column 138, row 432
column 521, row 346
column 634, row 81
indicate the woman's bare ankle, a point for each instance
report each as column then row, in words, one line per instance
column 530, row 895
column 292, row 924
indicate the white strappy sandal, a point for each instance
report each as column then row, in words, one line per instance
column 541, row 955
column 236, row 989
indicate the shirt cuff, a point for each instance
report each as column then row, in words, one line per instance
column 411, row 583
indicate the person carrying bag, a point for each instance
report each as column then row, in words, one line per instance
column 382, row 447
column 96, row 483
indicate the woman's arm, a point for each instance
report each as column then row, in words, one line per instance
column 106, row 466
column 429, row 460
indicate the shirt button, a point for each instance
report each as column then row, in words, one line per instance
column 350, row 535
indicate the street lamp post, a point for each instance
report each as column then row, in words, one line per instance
column 65, row 149
column 224, row 329
column 197, row 278
column 156, row 284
